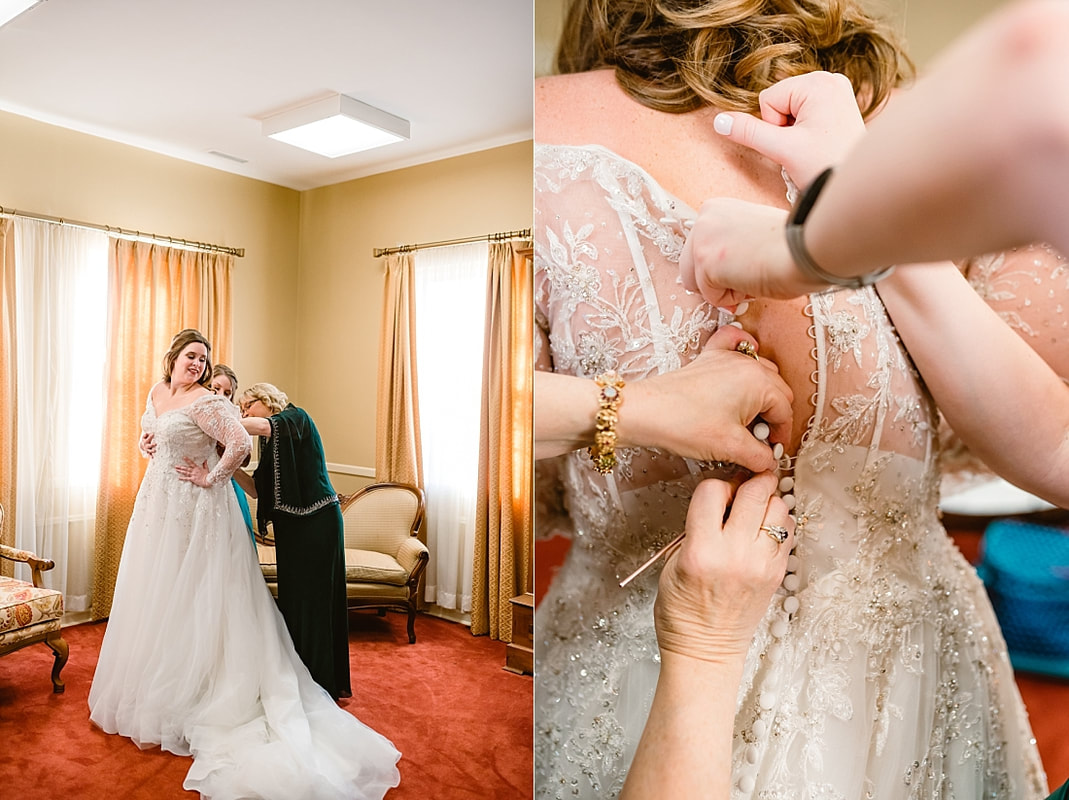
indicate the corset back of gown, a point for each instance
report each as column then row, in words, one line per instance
column 891, row 679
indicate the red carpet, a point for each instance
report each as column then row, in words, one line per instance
column 1045, row 697
column 461, row 722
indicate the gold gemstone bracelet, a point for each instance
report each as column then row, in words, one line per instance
column 603, row 452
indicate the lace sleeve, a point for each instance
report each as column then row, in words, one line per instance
column 218, row 417
column 1029, row 288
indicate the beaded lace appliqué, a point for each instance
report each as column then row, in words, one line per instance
column 892, row 637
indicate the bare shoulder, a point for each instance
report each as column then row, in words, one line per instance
column 574, row 108
column 157, row 392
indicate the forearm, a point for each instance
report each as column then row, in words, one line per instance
column 565, row 408
column 245, row 481
column 685, row 749
column 973, row 159
column 1007, row 405
column 256, row 426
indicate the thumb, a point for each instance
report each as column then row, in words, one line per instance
column 764, row 137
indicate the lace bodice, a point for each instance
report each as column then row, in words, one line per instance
column 881, row 589
column 192, row 432
column 609, row 296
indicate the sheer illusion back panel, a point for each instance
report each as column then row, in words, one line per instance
column 887, row 610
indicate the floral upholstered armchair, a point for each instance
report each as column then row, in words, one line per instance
column 30, row 613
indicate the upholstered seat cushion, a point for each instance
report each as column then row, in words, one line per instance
column 373, row 567
column 26, row 610
column 360, row 565
column 268, row 565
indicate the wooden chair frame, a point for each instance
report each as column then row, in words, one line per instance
column 53, row 638
column 409, row 605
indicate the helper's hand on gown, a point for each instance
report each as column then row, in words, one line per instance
column 738, row 249
column 702, row 410
column 147, row 444
column 716, row 587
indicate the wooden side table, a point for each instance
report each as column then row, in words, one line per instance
column 519, row 654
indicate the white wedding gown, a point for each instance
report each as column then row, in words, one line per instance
column 891, row 681
column 196, row 657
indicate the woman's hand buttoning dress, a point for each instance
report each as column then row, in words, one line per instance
column 878, row 669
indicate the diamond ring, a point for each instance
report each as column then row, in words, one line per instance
column 777, row 533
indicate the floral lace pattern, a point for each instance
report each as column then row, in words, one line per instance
column 211, row 416
column 1027, row 287
column 891, row 679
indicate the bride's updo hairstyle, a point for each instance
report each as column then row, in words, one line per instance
column 180, row 341
column 680, row 55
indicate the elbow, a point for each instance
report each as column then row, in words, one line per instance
column 1029, row 35
column 1030, row 51
column 241, row 447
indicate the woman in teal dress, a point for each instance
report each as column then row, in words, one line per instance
column 225, row 382
column 295, row 494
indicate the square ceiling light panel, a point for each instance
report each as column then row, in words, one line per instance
column 336, row 126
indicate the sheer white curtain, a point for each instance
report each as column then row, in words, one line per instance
column 450, row 302
column 61, row 285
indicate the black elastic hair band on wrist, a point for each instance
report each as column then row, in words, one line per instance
column 796, row 242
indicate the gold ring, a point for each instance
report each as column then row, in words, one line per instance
column 777, row 533
column 747, row 349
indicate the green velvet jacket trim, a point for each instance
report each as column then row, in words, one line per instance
column 292, row 475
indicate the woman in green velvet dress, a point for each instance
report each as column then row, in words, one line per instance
column 294, row 493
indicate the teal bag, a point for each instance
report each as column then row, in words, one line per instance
column 1025, row 568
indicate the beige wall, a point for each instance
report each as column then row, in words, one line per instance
column 929, row 27
column 308, row 292
column 50, row 170
column 341, row 282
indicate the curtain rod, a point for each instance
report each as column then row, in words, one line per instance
column 126, row 234
column 490, row 237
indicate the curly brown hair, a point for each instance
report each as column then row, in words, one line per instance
column 680, row 55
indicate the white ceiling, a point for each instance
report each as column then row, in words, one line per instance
column 189, row 77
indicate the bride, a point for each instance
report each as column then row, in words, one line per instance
column 879, row 670
column 196, row 658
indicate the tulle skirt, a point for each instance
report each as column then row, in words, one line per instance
column 196, row 659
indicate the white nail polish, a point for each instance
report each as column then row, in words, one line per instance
column 723, row 124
